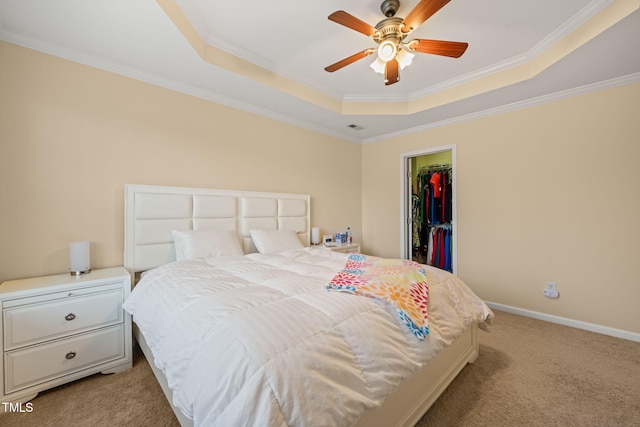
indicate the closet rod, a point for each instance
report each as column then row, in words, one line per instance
column 435, row 167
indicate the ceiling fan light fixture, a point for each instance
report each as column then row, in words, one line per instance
column 387, row 50
column 404, row 58
column 378, row 66
column 393, row 53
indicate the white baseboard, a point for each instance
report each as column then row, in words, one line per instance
column 618, row 333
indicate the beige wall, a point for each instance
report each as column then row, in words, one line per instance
column 548, row 193
column 71, row 136
column 545, row 193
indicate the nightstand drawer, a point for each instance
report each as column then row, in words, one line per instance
column 37, row 364
column 34, row 323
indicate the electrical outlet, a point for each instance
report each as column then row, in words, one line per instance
column 551, row 290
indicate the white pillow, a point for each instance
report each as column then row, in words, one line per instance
column 205, row 243
column 275, row 241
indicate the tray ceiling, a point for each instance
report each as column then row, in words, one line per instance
column 268, row 58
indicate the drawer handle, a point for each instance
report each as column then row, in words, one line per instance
column 70, row 355
column 70, row 316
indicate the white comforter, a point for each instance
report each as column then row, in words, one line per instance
column 257, row 340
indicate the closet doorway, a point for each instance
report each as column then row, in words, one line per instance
column 428, row 214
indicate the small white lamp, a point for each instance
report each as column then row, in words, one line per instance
column 315, row 236
column 79, row 256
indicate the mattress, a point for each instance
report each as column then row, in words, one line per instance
column 258, row 340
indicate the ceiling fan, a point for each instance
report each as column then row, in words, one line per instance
column 390, row 33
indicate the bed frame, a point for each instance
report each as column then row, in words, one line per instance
column 152, row 212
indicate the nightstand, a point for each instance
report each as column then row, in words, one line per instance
column 60, row 328
column 347, row 248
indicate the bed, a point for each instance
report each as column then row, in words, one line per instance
column 253, row 335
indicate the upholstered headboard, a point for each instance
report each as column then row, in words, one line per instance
column 152, row 212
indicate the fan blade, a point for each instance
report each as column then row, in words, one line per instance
column 439, row 47
column 349, row 60
column 391, row 75
column 423, row 11
column 343, row 18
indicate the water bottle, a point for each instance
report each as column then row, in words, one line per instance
column 349, row 238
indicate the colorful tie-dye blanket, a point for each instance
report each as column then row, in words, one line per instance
column 401, row 283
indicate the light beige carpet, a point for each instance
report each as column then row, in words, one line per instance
column 529, row 373
column 534, row 373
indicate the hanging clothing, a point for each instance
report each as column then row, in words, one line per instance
column 435, row 182
column 447, row 253
column 432, row 216
column 416, row 226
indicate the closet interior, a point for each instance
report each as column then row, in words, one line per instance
column 432, row 232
